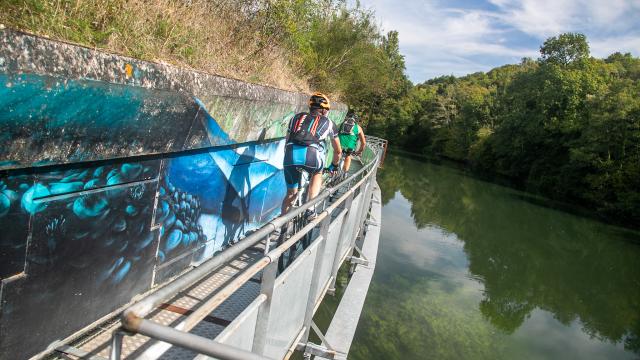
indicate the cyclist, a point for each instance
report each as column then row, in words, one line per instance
column 306, row 150
column 350, row 133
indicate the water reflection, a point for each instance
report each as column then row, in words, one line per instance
column 484, row 274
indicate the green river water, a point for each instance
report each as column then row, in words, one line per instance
column 468, row 269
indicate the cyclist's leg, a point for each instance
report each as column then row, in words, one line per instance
column 292, row 179
column 314, row 185
column 347, row 163
column 347, row 160
column 314, row 165
column 303, row 185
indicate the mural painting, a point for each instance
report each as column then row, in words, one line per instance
column 81, row 238
column 51, row 120
column 207, row 201
column 14, row 222
column 108, row 189
column 77, row 240
column 91, row 243
column 90, row 247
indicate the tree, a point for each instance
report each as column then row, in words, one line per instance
column 565, row 49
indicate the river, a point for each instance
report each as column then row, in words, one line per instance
column 468, row 269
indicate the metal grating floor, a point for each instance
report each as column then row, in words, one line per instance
column 98, row 344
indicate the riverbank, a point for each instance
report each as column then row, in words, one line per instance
column 538, row 199
column 568, row 130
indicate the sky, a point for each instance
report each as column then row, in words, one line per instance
column 459, row 37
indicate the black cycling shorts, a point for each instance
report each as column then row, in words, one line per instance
column 348, row 152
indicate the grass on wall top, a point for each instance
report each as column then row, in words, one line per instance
column 214, row 36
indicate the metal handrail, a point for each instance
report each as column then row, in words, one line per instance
column 148, row 304
column 133, row 317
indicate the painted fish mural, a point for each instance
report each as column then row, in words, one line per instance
column 115, row 177
column 83, row 233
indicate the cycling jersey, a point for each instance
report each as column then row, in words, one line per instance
column 349, row 141
column 309, row 158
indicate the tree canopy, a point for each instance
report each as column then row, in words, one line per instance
column 566, row 126
column 565, row 49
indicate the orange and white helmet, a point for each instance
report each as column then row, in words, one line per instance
column 319, row 100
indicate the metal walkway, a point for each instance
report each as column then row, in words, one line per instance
column 237, row 297
column 97, row 343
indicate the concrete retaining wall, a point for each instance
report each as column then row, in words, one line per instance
column 117, row 174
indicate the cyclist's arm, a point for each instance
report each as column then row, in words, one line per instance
column 335, row 142
column 363, row 140
column 337, row 150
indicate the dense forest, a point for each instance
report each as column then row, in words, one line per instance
column 566, row 126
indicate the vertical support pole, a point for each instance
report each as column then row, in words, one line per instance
column 116, row 345
column 264, row 314
column 384, row 152
column 267, row 243
column 341, row 238
column 315, row 277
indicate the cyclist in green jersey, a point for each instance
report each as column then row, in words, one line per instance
column 350, row 133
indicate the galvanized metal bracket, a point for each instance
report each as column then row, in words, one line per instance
column 371, row 222
column 318, row 350
column 309, row 348
column 316, row 330
column 359, row 260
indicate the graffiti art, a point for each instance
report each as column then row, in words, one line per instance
column 108, row 189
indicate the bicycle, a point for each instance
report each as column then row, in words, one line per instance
column 355, row 155
column 300, row 221
column 296, row 224
column 334, row 180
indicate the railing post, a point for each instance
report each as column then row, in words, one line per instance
column 116, row 345
column 315, row 277
column 264, row 314
column 338, row 256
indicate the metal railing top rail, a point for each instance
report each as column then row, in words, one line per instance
column 133, row 315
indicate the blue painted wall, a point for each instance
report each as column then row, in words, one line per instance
column 81, row 239
column 53, row 120
column 208, row 200
column 118, row 174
